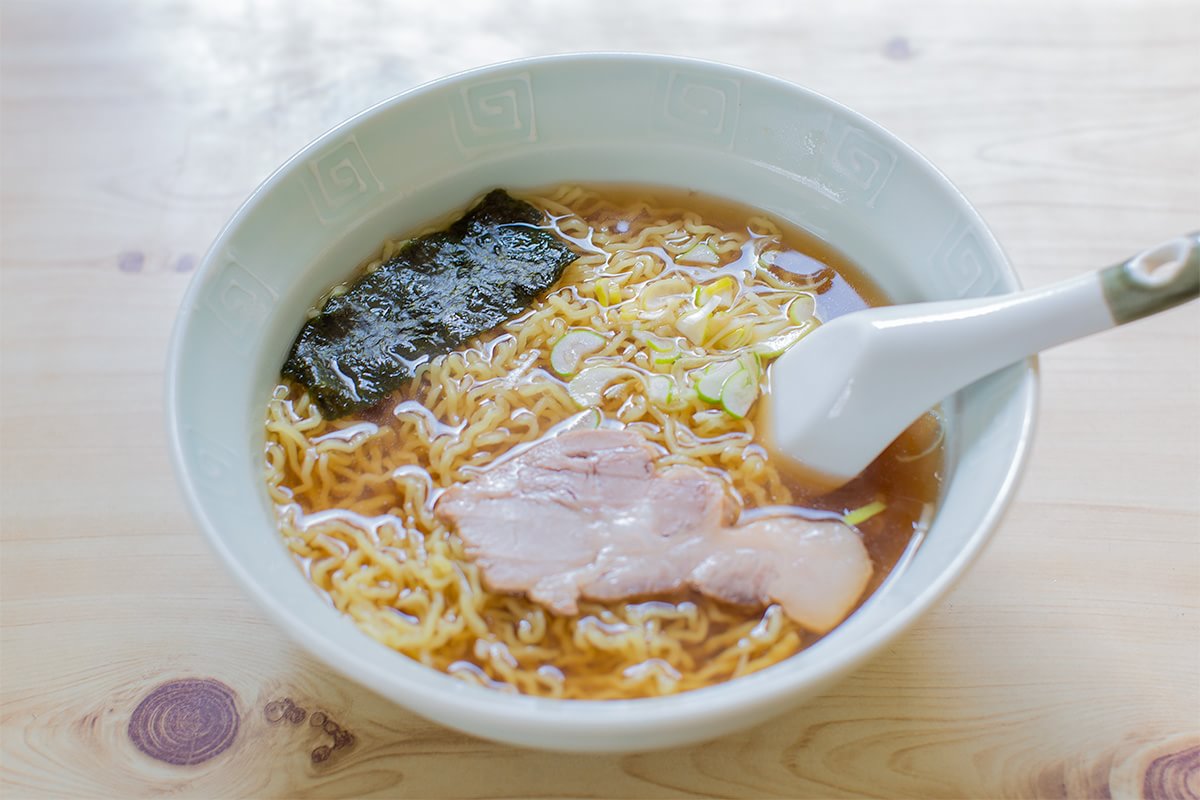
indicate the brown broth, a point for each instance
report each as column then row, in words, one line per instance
column 909, row 486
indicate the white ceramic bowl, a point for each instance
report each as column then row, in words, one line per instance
column 579, row 118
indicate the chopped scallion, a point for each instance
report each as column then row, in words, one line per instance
column 571, row 348
column 860, row 515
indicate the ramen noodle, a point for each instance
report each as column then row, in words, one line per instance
column 672, row 286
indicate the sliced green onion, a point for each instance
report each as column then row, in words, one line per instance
column 659, row 344
column 802, row 309
column 739, row 393
column 712, row 380
column 660, row 390
column 571, row 348
column 694, row 324
column 663, row 351
column 749, row 362
column 588, row 386
column 588, row 419
column 701, row 253
column 860, row 515
column 775, row 345
column 607, row 293
column 739, row 336
column 723, row 288
column 627, row 313
column 666, row 359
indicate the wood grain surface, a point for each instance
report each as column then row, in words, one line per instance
column 1066, row 663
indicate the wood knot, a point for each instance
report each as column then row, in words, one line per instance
column 341, row 737
column 186, row 721
column 278, row 711
column 1174, row 775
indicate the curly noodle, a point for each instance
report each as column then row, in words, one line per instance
column 355, row 496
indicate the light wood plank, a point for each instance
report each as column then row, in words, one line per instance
column 1064, row 665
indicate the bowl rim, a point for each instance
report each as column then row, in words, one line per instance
column 757, row 691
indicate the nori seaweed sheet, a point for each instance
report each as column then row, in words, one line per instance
column 438, row 291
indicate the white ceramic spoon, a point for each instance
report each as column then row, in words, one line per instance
column 840, row 395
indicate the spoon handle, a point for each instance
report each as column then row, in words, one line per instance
column 963, row 340
column 826, row 406
column 1007, row 329
column 1153, row 280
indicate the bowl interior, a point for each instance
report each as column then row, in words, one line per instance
column 587, row 119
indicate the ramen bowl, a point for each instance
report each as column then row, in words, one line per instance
column 589, row 119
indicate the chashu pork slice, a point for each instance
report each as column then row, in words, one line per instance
column 587, row 514
column 816, row 570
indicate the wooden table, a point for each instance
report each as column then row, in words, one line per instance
column 1067, row 662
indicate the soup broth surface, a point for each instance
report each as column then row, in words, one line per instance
column 354, row 497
